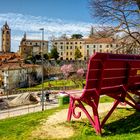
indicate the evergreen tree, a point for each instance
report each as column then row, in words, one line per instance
column 54, row 53
column 46, row 56
column 78, row 54
column 76, row 36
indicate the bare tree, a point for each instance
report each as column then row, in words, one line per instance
column 122, row 15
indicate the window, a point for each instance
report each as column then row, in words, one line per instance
column 100, row 50
column 71, row 43
column 107, row 46
column 75, row 42
column 55, row 43
column 87, row 46
column 80, row 42
column 94, row 51
column 35, row 43
column 61, row 42
column 94, row 46
column 67, row 53
column 70, row 47
column 87, row 52
column 67, row 47
column 70, row 53
column 67, row 43
column 30, row 43
column 75, row 47
column 100, row 46
column 80, row 47
column 61, row 47
column 111, row 45
column 61, row 53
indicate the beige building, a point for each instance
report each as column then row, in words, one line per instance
column 67, row 47
column 14, row 75
column 30, row 47
column 93, row 45
column 87, row 46
column 5, row 38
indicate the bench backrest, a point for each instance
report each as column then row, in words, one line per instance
column 107, row 72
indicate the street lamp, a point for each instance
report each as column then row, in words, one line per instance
column 42, row 47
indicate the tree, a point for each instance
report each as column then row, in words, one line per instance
column 78, row 77
column 38, row 57
column 78, row 54
column 54, row 53
column 66, row 69
column 123, row 15
column 76, row 36
column 46, row 56
column 30, row 59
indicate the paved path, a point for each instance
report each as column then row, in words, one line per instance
column 27, row 109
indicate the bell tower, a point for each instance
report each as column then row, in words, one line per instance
column 6, row 38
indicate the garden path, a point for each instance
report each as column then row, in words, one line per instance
column 53, row 127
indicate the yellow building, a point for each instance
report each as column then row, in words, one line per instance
column 87, row 46
column 67, row 47
column 30, row 47
column 6, row 38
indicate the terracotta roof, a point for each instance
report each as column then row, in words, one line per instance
column 9, row 56
column 14, row 66
column 30, row 40
column 98, row 40
column 68, row 39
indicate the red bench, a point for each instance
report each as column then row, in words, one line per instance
column 114, row 75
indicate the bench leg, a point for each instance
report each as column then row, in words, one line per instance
column 97, row 121
column 70, row 109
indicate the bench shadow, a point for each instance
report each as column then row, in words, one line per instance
column 125, row 125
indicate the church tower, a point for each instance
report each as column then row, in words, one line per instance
column 92, row 32
column 6, row 38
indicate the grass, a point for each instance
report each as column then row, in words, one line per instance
column 55, row 83
column 124, row 124
column 20, row 128
column 105, row 99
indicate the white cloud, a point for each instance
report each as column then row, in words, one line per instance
column 20, row 23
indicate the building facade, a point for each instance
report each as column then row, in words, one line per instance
column 87, row 46
column 14, row 75
column 102, row 45
column 67, row 47
column 5, row 38
column 30, row 47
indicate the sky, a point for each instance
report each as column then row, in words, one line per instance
column 57, row 17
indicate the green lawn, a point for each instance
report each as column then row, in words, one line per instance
column 20, row 128
column 55, row 83
column 124, row 124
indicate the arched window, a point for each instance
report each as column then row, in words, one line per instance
column 7, row 32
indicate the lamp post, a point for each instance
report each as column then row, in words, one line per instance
column 42, row 47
